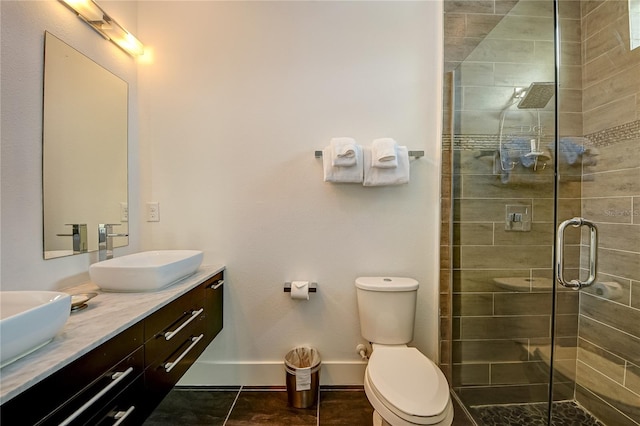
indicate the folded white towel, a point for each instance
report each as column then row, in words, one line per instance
column 350, row 174
column 343, row 152
column 376, row 176
column 383, row 153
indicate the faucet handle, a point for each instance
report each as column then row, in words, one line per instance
column 79, row 235
column 105, row 229
column 105, row 242
column 108, row 225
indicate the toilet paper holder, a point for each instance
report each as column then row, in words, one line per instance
column 313, row 287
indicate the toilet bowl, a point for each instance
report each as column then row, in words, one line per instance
column 406, row 388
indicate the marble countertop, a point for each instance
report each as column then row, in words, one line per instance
column 108, row 314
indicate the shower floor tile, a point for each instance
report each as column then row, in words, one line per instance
column 564, row 414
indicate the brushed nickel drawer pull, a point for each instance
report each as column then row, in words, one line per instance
column 168, row 366
column 116, row 377
column 120, row 416
column 194, row 314
column 216, row 285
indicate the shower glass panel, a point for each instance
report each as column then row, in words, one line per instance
column 539, row 130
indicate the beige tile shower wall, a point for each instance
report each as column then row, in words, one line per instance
column 501, row 335
column 466, row 23
column 611, row 94
column 517, row 51
column 609, row 337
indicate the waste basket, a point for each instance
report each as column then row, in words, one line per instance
column 303, row 370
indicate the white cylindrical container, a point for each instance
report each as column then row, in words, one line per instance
column 387, row 309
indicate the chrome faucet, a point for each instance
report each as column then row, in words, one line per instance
column 105, row 240
column 78, row 235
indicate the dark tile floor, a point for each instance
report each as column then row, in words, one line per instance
column 565, row 413
column 255, row 406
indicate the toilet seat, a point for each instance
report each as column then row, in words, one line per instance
column 402, row 381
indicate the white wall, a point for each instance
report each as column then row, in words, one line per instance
column 237, row 98
column 22, row 44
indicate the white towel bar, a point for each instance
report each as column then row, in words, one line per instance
column 415, row 154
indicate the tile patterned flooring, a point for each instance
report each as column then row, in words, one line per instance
column 565, row 413
column 266, row 406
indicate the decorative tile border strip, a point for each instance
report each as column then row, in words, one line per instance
column 614, row 135
column 478, row 142
column 608, row 137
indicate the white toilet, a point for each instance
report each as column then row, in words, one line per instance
column 404, row 387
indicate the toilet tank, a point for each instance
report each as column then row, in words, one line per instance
column 387, row 309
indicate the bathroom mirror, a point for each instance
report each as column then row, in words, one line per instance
column 634, row 23
column 84, row 152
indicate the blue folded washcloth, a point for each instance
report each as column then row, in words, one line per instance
column 515, row 151
column 572, row 148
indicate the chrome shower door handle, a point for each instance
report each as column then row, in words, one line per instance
column 593, row 253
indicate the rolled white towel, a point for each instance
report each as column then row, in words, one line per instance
column 384, row 153
column 343, row 152
column 337, row 174
column 377, row 176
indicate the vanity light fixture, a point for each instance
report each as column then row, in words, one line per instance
column 99, row 20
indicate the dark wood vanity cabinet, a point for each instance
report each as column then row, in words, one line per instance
column 178, row 333
column 104, row 372
column 124, row 379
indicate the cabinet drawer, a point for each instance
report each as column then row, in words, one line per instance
column 163, row 373
column 35, row 404
column 166, row 316
column 213, row 291
column 128, row 408
column 167, row 340
column 84, row 405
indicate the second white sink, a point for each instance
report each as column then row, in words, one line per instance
column 29, row 320
column 145, row 271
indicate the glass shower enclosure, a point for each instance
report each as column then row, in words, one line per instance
column 540, row 264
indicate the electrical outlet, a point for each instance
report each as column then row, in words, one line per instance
column 124, row 212
column 153, row 211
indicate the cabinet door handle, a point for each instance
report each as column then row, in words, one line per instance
column 216, row 285
column 116, row 377
column 194, row 314
column 168, row 366
column 120, row 416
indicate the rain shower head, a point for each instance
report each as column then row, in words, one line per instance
column 537, row 95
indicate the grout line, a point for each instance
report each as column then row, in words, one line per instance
column 232, row 406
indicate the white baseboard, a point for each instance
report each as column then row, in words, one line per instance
column 220, row 373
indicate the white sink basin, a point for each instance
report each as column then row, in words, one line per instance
column 30, row 320
column 145, row 271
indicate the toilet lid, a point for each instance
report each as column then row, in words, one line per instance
column 409, row 381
